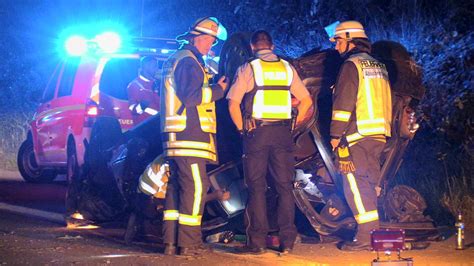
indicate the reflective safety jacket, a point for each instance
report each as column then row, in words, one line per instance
column 143, row 100
column 154, row 179
column 271, row 97
column 176, row 121
column 364, row 108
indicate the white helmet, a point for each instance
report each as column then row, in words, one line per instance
column 348, row 30
column 207, row 25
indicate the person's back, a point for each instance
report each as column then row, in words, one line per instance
column 263, row 87
column 143, row 98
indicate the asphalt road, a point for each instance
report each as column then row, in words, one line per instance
column 32, row 232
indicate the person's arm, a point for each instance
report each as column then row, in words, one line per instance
column 189, row 79
column 133, row 99
column 236, row 114
column 303, row 108
column 344, row 101
column 242, row 82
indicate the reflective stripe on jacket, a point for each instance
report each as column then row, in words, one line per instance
column 154, row 179
column 174, row 119
column 175, row 116
column 272, row 97
column 373, row 108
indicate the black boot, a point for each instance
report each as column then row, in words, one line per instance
column 354, row 246
column 248, row 250
column 132, row 228
column 170, row 250
column 194, row 251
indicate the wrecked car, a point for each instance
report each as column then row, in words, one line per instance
column 114, row 160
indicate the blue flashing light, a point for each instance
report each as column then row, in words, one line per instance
column 76, row 45
column 109, row 42
column 331, row 29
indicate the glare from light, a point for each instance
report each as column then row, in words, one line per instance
column 92, row 111
column 109, row 42
column 165, row 51
column 76, row 45
column 77, row 215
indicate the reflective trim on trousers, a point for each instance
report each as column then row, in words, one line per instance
column 363, row 216
column 355, row 191
column 191, row 153
column 197, row 188
column 191, row 220
column 189, row 145
column 367, row 217
column 353, row 138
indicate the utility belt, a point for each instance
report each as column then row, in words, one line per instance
column 263, row 123
column 250, row 124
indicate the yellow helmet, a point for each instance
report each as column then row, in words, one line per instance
column 349, row 30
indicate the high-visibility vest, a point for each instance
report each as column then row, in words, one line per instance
column 374, row 102
column 173, row 119
column 154, row 179
column 272, row 97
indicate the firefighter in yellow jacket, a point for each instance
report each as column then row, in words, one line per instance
column 361, row 120
column 263, row 89
column 188, row 124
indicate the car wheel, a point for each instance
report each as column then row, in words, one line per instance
column 29, row 168
column 72, row 169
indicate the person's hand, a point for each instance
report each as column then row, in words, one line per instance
column 335, row 143
column 299, row 119
column 223, row 83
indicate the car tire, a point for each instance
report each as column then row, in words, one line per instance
column 28, row 167
column 72, row 168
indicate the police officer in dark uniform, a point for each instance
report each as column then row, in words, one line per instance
column 188, row 123
column 361, row 120
column 263, row 88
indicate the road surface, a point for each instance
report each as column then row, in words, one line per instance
column 32, row 232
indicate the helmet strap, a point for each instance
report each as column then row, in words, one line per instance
column 346, row 50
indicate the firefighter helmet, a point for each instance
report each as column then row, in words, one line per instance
column 207, row 25
column 349, row 30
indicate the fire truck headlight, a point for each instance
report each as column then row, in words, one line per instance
column 76, row 45
column 109, row 42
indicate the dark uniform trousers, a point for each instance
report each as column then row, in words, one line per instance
column 185, row 194
column 359, row 188
column 269, row 147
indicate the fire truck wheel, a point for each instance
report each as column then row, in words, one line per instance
column 72, row 170
column 29, row 169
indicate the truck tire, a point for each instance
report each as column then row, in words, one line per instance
column 29, row 169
